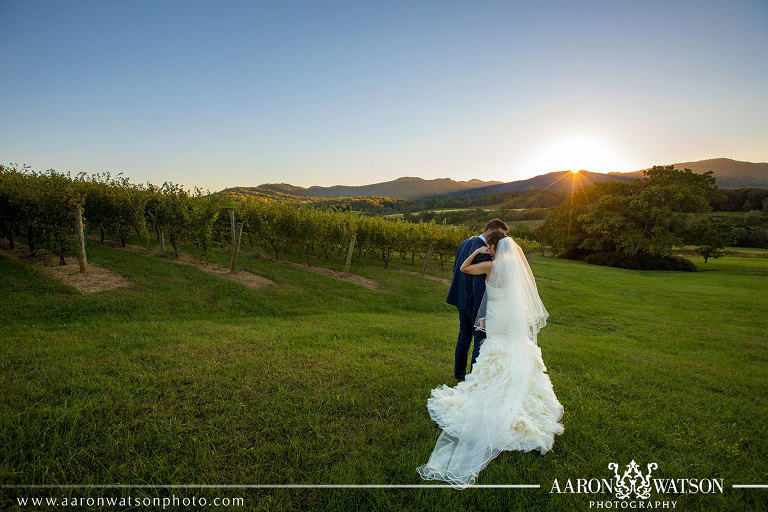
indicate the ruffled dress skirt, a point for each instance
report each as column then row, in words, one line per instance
column 506, row 403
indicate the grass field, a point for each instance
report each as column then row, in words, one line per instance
column 532, row 224
column 188, row 378
column 754, row 250
column 735, row 215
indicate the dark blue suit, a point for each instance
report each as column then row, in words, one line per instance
column 466, row 293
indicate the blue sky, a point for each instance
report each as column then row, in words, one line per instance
column 219, row 94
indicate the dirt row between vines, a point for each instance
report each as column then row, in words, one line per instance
column 323, row 271
column 335, row 274
column 413, row 273
column 96, row 279
column 100, row 278
column 242, row 276
column 426, row 276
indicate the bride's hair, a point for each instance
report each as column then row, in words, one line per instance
column 494, row 238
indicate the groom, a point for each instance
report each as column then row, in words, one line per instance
column 466, row 293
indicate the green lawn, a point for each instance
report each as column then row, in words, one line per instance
column 736, row 215
column 532, row 224
column 189, row 378
column 746, row 250
column 753, row 250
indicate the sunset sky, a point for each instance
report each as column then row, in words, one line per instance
column 220, row 94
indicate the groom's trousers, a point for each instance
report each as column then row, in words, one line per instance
column 466, row 331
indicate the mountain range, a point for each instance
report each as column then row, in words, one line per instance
column 729, row 174
column 402, row 188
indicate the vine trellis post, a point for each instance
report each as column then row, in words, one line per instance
column 350, row 251
column 236, row 247
column 80, row 240
column 429, row 255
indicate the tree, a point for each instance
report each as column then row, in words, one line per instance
column 528, row 247
column 646, row 216
column 712, row 235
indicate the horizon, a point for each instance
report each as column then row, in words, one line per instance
column 220, row 95
column 226, row 187
column 484, row 181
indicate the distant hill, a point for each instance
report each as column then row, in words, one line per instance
column 402, row 188
column 269, row 192
column 560, row 180
column 729, row 173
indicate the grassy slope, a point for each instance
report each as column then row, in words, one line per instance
column 187, row 378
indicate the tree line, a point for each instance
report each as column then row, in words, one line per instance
column 515, row 199
column 283, row 193
column 478, row 217
column 745, row 199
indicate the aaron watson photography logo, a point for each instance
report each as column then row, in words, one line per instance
column 632, row 488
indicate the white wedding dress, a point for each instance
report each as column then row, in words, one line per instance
column 507, row 401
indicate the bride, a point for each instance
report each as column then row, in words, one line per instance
column 507, row 402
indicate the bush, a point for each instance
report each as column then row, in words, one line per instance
column 641, row 261
column 759, row 237
column 741, row 235
column 528, row 246
column 521, row 231
column 573, row 253
column 753, row 218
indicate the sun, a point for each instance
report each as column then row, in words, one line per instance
column 575, row 153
